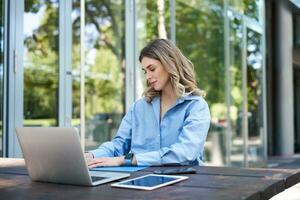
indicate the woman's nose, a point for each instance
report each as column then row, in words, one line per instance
column 148, row 76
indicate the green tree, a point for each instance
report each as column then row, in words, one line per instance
column 199, row 33
column 41, row 63
column 106, row 19
column 105, row 77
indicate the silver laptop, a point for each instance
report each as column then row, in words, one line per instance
column 54, row 154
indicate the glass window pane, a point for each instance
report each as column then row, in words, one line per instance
column 251, row 8
column 255, row 98
column 1, row 73
column 236, row 95
column 200, row 34
column 153, row 21
column 41, row 63
column 104, row 69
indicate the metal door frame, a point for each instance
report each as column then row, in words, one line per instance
column 257, row 27
column 15, row 73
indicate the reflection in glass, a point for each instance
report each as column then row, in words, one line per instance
column 254, row 61
column 104, row 69
column 41, row 63
column 200, row 35
column 250, row 8
column 255, row 97
column 236, row 96
column 153, row 21
column 1, row 73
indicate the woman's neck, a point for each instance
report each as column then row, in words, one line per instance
column 168, row 95
column 167, row 99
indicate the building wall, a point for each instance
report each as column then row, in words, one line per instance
column 282, row 59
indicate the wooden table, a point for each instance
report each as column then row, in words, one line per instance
column 210, row 183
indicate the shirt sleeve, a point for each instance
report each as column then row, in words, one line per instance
column 121, row 143
column 190, row 143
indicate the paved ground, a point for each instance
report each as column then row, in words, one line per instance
column 286, row 162
column 292, row 193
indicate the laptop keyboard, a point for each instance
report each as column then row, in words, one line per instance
column 97, row 178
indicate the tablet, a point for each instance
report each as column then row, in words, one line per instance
column 149, row 182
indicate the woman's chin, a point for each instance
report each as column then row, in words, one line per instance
column 156, row 89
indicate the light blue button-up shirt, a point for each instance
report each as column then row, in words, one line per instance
column 178, row 137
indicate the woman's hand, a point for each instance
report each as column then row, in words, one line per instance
column 88, row 157
column 106, row 161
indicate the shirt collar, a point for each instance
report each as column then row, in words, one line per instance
column 187, row 96
column 156, row 103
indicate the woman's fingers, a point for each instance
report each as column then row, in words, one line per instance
column 88, row 155
column 104, row 162
column 94, row 165
column 94, row 161
column 101, row 162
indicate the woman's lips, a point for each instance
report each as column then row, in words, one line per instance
column 152, row 83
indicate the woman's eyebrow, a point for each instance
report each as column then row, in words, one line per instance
column 144, row 68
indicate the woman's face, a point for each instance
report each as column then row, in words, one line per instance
column 157, row 77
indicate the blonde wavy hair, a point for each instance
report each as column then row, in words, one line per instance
column 180, row 69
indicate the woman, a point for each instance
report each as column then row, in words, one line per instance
column 169, row 124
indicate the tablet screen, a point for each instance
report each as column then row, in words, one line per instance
column 149, row 182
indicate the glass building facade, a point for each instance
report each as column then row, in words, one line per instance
column 104, row 69
column 225, row 40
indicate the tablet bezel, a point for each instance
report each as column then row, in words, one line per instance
column 178, row 179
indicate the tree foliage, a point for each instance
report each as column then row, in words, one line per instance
column 199, row 33
column 104, row 73
column 41, row 63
